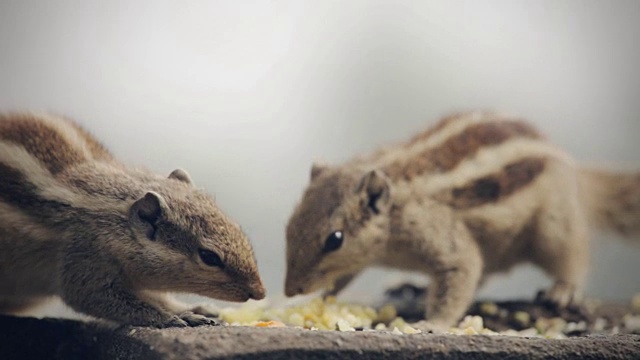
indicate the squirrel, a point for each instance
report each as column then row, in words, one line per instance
column 474, row 195
column 111, row 241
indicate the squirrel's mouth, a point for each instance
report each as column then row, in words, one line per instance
column 235, row 292
column 293, row 287
column 308, row 285
column 235, row 296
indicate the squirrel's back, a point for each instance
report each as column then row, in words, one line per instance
column 53, row 142
column 35, row 152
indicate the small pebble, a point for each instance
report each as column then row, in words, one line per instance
column 631, row 322
column 344, row 326
column 635, row 304
column 381, row 326
column 572, row 326
column 553, row 325
column 486, row 331
column 387, row 313
column 474, row 322
column 489, row 309
column 521, row 318
column 470, row 331
column 599, row 324
column 411, row 330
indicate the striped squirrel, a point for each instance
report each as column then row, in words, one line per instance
column 474, row 195
column 110, row 240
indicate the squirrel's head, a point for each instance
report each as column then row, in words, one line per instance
column 340, row 227
column 189, row 245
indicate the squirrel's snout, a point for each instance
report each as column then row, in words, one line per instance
column 292, row 289
column 288, row 292
column 257, row 292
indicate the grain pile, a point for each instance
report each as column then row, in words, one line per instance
column 525, row 319
column 319, row 314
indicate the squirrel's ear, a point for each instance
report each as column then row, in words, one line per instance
column 145, row 213
column 181, row 175
column 317, row 168
column 375, row 191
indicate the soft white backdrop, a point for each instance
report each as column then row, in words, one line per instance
column 245, row 94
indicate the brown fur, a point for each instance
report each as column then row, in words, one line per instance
column 477, row 194
column 614, row 200
column 14, row 188
column 459, row 147
column 447, row 120
column 493, row 188
column 98, row 151
column 108, row 239
column 40, row 140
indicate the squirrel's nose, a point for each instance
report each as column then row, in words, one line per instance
column 257, row 292
column 292, row 286
column 293, row 291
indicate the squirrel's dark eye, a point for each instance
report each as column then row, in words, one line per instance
column 151, row 232
column 333, row 242
column 210, row 258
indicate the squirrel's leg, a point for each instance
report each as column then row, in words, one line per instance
column 453, row 261
column 451, row 292
column 94, row 287
column 113, row 302
column 171, row 304
column 561, row 248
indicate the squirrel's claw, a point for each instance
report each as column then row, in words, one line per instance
column 174, row 321
column 561, row 295
column 198, row 320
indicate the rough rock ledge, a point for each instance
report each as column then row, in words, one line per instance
column 30, row 338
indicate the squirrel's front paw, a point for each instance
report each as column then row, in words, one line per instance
column 173, row 321
column 562, row 295
column 198, row 320
column 207, row 310
column 189, row 319
column 430, row 327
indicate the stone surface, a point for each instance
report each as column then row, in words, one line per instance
column 29, row 338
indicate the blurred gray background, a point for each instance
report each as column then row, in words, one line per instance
column 245, row 95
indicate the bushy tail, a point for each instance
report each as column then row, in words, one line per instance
column 613, row 200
